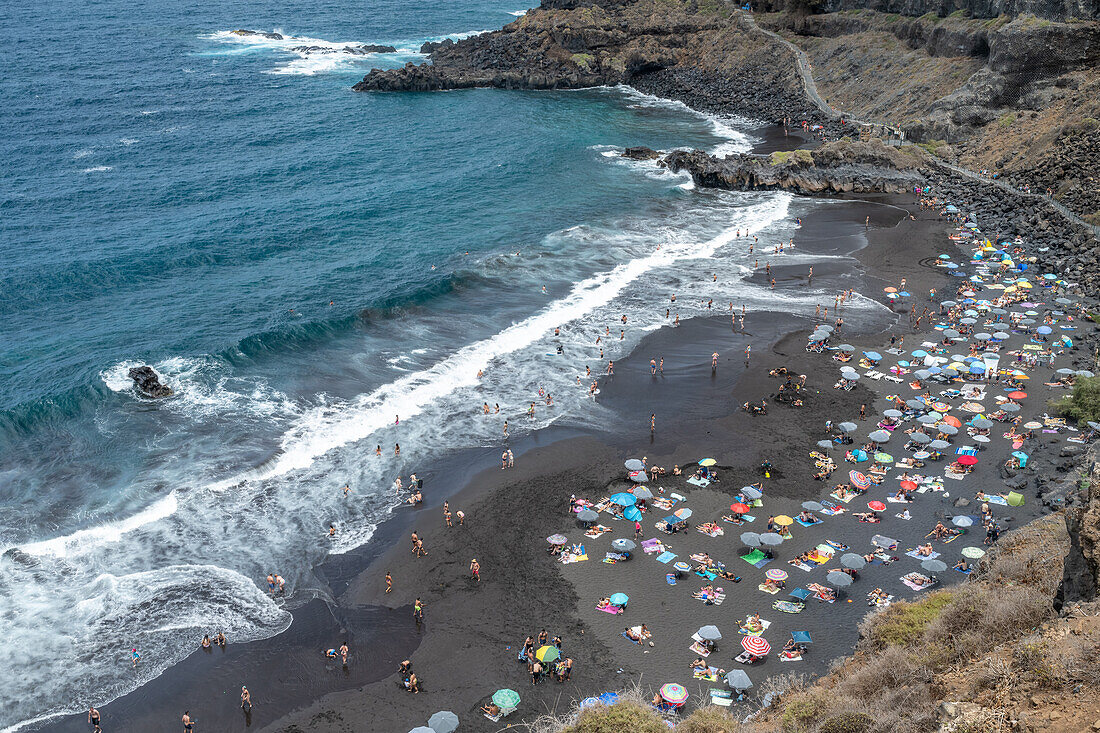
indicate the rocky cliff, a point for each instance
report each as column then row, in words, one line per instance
column 1046, row 9
column 840, row 167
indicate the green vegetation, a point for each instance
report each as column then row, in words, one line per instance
column 625, row 716
column 1007, row 120
column 1084, row 403
column 904, row 622
column 801, row 156
column 582, row 60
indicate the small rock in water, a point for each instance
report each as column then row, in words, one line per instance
column 148, row 382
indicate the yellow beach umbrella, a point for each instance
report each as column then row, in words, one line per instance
column 547, row 654
column 784, row 520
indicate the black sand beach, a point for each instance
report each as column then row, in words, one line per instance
column 467, row 645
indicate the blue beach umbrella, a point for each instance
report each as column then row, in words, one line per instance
column 1021, row 457
column 633, row 514
column 619, row 599
column 1044, row 330
column 801, row 637
column 609, row 698
column 875, row 356
column 624, row 498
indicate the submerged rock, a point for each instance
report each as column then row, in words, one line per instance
column 245, row 32
column 148, row 382
column 641, row 153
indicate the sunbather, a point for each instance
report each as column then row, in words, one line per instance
column 491, row 709
column 962, row 565
column 638, row 633
column 925, row 550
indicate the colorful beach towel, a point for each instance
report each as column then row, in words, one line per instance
column 768, row 588
column 666, row 557
column 764, row 623
column 699, row 649
column 754, row 557
column 788, row 606
column 701, row 482
column 931, row 556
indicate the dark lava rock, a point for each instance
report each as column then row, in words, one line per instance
column 148, row 382
column 244, row 32
column 641, row 153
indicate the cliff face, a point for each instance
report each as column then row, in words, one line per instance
column 1046, row 9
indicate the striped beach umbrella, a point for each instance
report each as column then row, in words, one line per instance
column 756, row 645
column 776, row 574
column 674, row 693
column 859, row 480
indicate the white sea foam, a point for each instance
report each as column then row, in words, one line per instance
column 517, row 13
column 127, row 140
column 101, row 533
column 723, row 126
column 98, row 169
column 82, row 153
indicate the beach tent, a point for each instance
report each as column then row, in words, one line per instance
column 801, row 637
column 1015, row 499
column 632, row 513
column 443, row 722
column 1021, row 457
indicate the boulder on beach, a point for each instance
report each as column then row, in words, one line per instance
column 148, row 382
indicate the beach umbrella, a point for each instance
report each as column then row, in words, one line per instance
column 638, row 477
column 909, row 485
column 588, row 702
column 633, row 514
column 880, row 436
column 738, row 679
column 847, row 427
column 619, row 599
column 682, row 566
column 818, row 336
column 1093, row 425
column 634, row 465
column 860, row 455
column 1064, row 372
column 920, row 438
column 921, row 455
column 776, row 574
column 1001, row 336
column 421, row 729
column 751, row 492
column 846, row 348
column 1021, row 457
column 623, row 545
column 920, row 353
column 968, row 321
column 1010, row 407
column 962, row 521
column 915, row 404
column 939, row 445
column 851, row 376
column 608, row 698
column 1085, row 373
column 922, row 374
column 739, row 508
column 709, row 633
column 948, row 304
column 783, row 520
column 756, row 645
column 825, row 444
column 642, row 493
column 967, row 460
column 859, row 480
column 1044, row 330
column 981, row 423
column 682, row 513
column 752, row 539
column 928, row 419
column 1032, row 425
column 950, row 429
column 950, row 333
column 812, row 506
column 883, row 541
column 977, row 368
column 892, row 413
column 873, row 355
column 623, row 498
column 547, row 654
column 674, row 693
column 506, row 698
column 770, row 538
column 838, row 578
column 982, row 336
column 973, row 552
column 707, row 462
column 557, row 539
column 852, row 560
column 443, row 722
column 587, row 515
column 933, row 565
column 877, row 506
column 981, row 440
column 824, row 327
column 881, row 457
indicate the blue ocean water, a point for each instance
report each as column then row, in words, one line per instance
column 302, row 264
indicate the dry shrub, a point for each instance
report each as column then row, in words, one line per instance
column 803, row 709
column 850, row 721
column 892, row 668
column 709, row 719
column 1081, row 661
column 622, row 716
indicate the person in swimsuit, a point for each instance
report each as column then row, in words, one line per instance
column 344, row 653
column 188, row 723
column 93, row 719
column 246, row 700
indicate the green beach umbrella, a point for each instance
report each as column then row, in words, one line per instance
column 506, row 698
column 547, row 654
column 973, row 552
column 884, row 458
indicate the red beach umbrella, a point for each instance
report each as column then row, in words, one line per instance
column 909, row 485
column 878, row 506
column 755, row 645
column 952, row 421
column 739, row 508
column 1017, row 395
column 967, row 460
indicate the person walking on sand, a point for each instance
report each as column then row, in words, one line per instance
column 503, row 460
column 344, row 653
column 461, row 517
column 652, row 423
column 511, row 459
column 863, row 412
column 714, row 361
column 246, row 700
column 93, row 719
column 637, row 529
column 475, row 570
column 748, row 353
column 389, row 582
column 418, row 611
column 188, row 721
column 653, row 367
